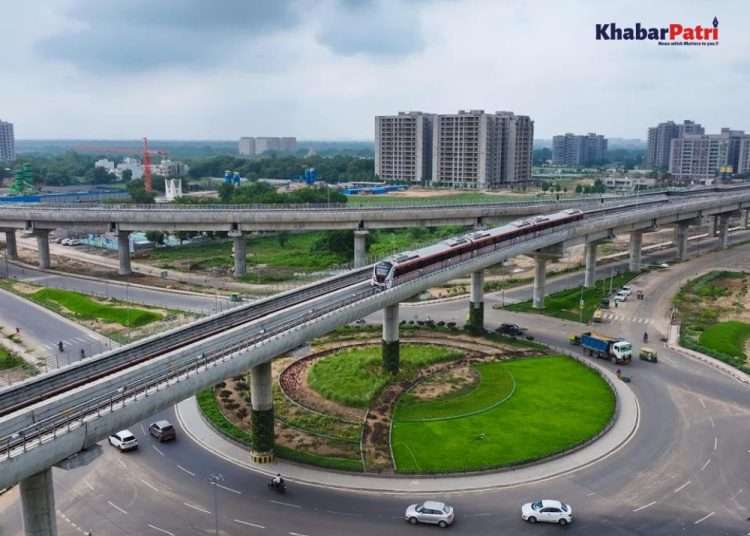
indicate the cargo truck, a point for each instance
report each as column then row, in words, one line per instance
column 618, row 350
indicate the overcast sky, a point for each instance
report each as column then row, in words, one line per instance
column 321, row 69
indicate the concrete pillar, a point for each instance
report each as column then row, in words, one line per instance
column 42, row 244
column 38, row 504
column 240, row 255
column 724, row 232
column 540, row 276
column 715, row 227
column 261, row 402
column 360, row 248
column 747, row 219
column 391, row 353
column 636, row 241
column 123, row 251
column 476, row 301
column 11, row 249
column 680, row 240
column 589, row 274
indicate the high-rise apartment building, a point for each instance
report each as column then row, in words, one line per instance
column 660, row 141
column 403, row 147
column 259, row 145
column 743, row 159
column 696, row 157
column 573, row 150
column 7, row 142
column 469, row 149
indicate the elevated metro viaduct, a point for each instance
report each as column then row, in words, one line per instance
column 237, row 220
column 44, row 433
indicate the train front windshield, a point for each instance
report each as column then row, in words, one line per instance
column 381, row 271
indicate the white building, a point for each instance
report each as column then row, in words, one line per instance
column 133, row 165
column 403, row 147
column 109, row 165
column 259, row 145
column 170, row 168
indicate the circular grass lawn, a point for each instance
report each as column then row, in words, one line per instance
column 521, row 410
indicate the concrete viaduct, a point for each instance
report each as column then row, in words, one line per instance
column 46, row 433
column 236, row 220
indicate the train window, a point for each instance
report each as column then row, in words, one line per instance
column 456, row 242
column 382, row 268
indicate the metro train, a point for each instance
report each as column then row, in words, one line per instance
column 406, row 266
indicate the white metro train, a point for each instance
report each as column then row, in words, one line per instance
column 405, row 266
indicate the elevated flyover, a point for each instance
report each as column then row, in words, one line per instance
column 82, row 404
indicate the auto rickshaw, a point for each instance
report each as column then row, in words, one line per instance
column 648, row 354
column 575, row 340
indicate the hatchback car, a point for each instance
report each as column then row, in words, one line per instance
column 162, row 430
column 547, row 511
column 432, row 512
column 123, row 440
column 513, row 330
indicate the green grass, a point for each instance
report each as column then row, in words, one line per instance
column 209, row 406
column 353, row 377
column 86, row 308
column 566, row 303
column 496, row 384
column 726, row 337
column 9, row 360
column 558, row 403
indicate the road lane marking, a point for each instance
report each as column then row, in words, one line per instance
column 296, row 534
column 143, row 428
column 229, row 489
column 286, row 504
column 701, row 520
column 198, row 508
column 186, row 470
column 157, row 449
column 686, row 484
column 150, row 485
column 161, row 530
column 249, row 524
column 122, row 463
column 708, row 461
column 345, row 514
column 702, row 403
column 113, row 505
column 644, row 506
column 88, row 485
column 716, row 442
column 591, row 494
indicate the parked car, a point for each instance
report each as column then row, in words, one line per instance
column 162, row 430
column 627, row 290
column 547, row 511
column 65, row 241
column 74, row 242
column 432, row 512
column 621, row 297
column 123, row 440
column 514, row 330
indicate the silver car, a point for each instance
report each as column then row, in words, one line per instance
column 432, row 512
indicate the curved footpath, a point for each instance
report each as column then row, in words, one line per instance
column 624, row 426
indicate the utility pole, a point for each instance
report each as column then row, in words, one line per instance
column 214, row 479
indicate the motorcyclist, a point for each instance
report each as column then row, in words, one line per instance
column 60, row 346
column 277, row 481
column 83, row 353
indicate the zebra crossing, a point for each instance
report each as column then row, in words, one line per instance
column 610, row 317
column 77, row 342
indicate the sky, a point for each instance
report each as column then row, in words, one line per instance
column 322, row 69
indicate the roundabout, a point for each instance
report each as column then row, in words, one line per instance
column 459, row 404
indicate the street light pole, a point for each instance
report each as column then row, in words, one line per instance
column 214, row 480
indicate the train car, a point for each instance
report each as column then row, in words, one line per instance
column 406, row 266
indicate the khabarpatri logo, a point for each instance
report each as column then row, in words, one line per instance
column 672, row 35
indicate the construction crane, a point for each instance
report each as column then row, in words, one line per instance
column 147, row 154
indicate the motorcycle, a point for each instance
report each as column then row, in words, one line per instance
column 277, row 486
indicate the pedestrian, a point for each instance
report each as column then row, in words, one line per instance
column 18, row 330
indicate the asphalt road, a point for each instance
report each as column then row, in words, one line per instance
column 197, row 303
column 686, row 470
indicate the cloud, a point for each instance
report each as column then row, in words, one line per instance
column 140, row 35
column 385, row 29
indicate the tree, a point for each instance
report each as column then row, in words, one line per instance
column 157, row 237
column 283, row 238
column 127, row 175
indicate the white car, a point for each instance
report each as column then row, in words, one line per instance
column 627, row 289
column 547, row 511
column 123, row 440
column 432, row 512
column 65, row 241
column 621, row 297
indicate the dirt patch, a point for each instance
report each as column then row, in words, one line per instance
column 446, row 383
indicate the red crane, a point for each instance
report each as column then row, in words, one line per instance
column 147, row 154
